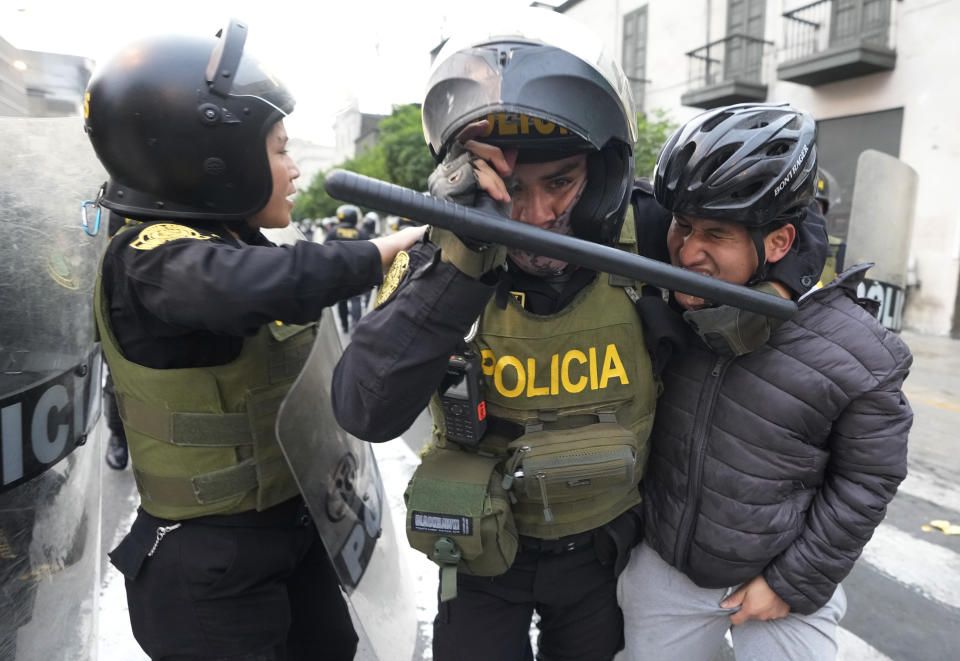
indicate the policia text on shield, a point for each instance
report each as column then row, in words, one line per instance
column 483, row 226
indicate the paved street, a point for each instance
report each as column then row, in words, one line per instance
column 904, row 594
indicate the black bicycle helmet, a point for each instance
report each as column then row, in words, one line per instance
column 551, row 89
column 753, row 164
column 348, row 214
column 180, row 125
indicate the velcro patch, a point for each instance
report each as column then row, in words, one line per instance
column 448, row 524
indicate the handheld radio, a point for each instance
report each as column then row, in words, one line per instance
column 461, row 394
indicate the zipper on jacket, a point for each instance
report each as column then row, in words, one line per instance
column 701, row 428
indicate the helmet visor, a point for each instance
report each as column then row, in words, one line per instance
column 548, row 28
column 256, row 79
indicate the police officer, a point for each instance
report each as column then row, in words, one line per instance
column 400, row 222
column 348, row 216
column 205, row 324
column 527, row 495
column 370, row 222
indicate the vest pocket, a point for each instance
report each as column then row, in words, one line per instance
column 458, row 513
column 567, row 465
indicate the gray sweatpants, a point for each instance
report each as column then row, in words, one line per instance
column 667, row 616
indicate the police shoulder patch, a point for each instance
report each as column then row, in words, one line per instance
column 394, row 276
column 156, row 235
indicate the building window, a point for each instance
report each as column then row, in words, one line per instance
column 635, row 53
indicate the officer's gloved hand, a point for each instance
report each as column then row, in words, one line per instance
column 455, row 180
column 475, row 262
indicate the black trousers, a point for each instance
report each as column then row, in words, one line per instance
column 111, row 409
column 354, row 312
column 574, row 592
column 216, row 592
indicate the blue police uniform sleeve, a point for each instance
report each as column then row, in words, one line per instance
column 213, row 285
column 399, row 352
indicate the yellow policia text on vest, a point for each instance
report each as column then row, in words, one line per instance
column 347, row 233
column 574, row 371
column 203, row 439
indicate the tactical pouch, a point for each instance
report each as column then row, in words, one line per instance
column 458, row 514
column 567, row 465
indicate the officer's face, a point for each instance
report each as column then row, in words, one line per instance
column 543, row 191
column 721, row 250
column 284, row 171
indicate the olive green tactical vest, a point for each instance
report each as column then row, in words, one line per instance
column 202, row 439
column 579, row 387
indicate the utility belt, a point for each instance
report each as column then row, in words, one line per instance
column 566, row 544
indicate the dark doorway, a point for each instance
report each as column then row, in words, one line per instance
column 840, row 142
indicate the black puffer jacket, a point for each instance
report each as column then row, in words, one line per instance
column 781, row 461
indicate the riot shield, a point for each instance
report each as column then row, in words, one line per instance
column 340, row 481
column 881, row 224
column 49, row 393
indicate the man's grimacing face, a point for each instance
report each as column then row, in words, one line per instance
column 720, row 249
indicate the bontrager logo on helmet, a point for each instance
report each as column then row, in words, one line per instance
column 793, row 171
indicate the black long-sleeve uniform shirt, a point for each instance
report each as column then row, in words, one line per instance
column 190, row 302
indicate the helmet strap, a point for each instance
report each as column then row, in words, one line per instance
column 594, row 218
column 757, row 235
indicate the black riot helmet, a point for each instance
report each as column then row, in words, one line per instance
column 551, row 89
column 180, row 125
column 749, row 163
column 348, row 214
column 370, row 221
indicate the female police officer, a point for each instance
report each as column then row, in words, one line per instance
column 199, row 317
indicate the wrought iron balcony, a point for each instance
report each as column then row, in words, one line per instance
column 725, row 71
column 830, row 40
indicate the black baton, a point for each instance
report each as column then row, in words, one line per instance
column 483, row 226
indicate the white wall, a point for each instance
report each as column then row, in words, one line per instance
column 346, row 130
column 925, row 83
